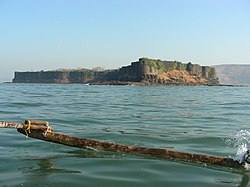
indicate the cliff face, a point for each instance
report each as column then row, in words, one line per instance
column 41, row 77
column 168, row 72
column 145, row 70
column 65, row 77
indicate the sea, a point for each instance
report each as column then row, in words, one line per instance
column 209, row 120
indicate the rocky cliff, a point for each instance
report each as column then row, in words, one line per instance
column 65, row 77
column 168, row 72
column 144, row 71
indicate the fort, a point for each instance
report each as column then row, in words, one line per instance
column 145, row 71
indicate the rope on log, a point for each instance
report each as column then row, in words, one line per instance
column 44, row 132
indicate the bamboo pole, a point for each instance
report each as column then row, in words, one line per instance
column 153, row 152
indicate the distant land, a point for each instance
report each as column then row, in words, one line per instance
column 233, row 74
column 145, row 71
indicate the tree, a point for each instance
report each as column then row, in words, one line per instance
column 98, row 69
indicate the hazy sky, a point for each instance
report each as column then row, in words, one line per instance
column 52, row 34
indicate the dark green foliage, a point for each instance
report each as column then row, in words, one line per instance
column 157, row 64
column 189, row 67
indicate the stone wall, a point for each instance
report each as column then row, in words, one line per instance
column 146, row 68
column 143, row 70
column 41, row 77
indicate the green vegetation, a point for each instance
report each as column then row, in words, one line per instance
column 145, row 69
column 163, row 65
column 157, row 64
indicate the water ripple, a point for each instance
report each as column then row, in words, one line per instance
column 189, row 119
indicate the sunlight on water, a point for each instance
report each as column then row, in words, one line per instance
column 240, row 142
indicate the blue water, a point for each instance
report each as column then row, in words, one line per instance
column 197, row 119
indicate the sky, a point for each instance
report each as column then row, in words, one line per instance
column 52, row 34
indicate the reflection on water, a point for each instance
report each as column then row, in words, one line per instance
column 44, row 169
column 244, row 180
column 41, row 169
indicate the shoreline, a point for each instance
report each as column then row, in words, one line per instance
column 128, row 83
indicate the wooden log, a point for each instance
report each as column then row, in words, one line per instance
column 34, row 126
column 32, row 122
column 153, row 152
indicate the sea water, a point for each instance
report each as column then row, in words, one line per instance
column 195, row 119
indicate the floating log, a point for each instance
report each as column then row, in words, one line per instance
column 143, row 151
column 42, row 131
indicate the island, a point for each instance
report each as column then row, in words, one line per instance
column 145, row 71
